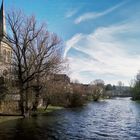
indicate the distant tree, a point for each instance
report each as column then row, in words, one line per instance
column 135, row 88
column 138, row 76
column 108, row 87
column 120, row 85
column 98, row 82
column 114, row 87
column 56, row 93
column 76, row 98
column 97, row 89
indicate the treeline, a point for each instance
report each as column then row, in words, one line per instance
column 135, row 87
column 73, row 94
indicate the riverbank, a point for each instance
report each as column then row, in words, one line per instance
column 49, row 109
column 4, row 118
column 8, row 118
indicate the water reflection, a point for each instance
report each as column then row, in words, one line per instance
column 105, row 120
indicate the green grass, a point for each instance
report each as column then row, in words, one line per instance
column 49, row 109
column 8, row 118
column 40, row 111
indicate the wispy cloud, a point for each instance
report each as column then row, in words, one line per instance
column 71, row 43
column 94, row 15
column 112, row 47
column 71, row 13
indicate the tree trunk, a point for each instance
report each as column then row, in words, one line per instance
column 21, row 105
column 47, row 104
column 35, row 104
column 37, row 90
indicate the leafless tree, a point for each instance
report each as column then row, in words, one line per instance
column 36, row 52
column 97, row 89
column 120, row 86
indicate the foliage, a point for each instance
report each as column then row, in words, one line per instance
column 76, row 100
column 108, row 87
column 78, row 96
column 135, row 89
column 97, row 89
column 64, row 94
column 49, row 109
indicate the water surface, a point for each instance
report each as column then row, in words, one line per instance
column 114, row 119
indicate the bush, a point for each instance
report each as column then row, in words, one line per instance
column 136, row 91
column 76, row 100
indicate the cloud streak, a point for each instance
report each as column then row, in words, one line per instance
column 71, row 13
column 95, row 15
column 71, row 43
column 108, row 46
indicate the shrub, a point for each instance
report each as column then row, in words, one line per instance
column 76, row 100
column 136, row 91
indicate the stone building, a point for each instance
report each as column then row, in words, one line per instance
column 5, row 48
column 63, row 78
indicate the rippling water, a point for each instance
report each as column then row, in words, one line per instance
column 114, row 119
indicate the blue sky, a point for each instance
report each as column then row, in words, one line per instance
column 101, row 37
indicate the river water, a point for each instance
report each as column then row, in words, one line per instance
column 113, row 119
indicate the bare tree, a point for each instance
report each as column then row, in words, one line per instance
column 36, row 52
column 48, row 60
column 120, row 86
column 97, row 89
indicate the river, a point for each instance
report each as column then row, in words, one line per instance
column 113, row 119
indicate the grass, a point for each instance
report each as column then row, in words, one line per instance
column 49, row 109
column 40, row 111
column 8, row 118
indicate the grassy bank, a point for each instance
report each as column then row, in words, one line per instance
column 49, row 109
column 40, row 111
column 9, row 118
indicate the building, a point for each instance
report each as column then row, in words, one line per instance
column 5, row 47
column 62, row 78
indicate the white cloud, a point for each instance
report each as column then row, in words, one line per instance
column 107, row 46
column 71, row 43
column 94, row 15
column 71, row 13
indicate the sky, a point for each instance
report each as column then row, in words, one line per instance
column 101, row 37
